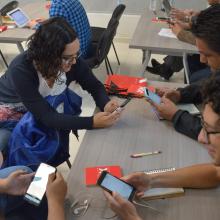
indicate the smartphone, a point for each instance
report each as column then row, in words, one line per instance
column 123, row 105
column 38, row 185
column 111, row 184
column 152, row 96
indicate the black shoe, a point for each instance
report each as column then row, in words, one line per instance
column 155, row 63
column 162, row 70
column 154, row 70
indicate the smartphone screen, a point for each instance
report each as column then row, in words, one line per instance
column 152, row 96
column 114, row 184
column 38, row 186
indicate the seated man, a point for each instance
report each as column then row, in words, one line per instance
column 197, row 176
column 207, row 40
column 181, row 29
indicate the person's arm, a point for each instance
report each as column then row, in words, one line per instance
column 122, row 207
column 16, row 183
column 187, row 124
column 187, row 37
column 197, row 176
column 56, row 192
column 84, row 76
column 25, row 82
column 191, row 93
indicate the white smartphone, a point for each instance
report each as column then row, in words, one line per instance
column 38, row 185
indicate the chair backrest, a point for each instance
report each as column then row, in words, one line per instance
column 117, row 13
column 105, row 41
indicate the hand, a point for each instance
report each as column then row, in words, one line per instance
column 32, row 23
column 105, row 119
column 17, row 183
column 173, row 95
column 166, row 109
column 111, row 106
column 140, row 181
column 56, row 188
column 176, row 28
column 178, row 14
column 123, row 208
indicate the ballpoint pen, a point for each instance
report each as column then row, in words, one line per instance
column 145, row 154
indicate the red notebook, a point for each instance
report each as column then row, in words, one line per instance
column 92, row 173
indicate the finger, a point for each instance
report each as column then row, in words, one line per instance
column 59, row 176
column 19, row 172
column 51, row 178
column 118, row 198
column 110, row 198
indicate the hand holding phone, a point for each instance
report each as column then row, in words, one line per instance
column 123, row 105
column 111, row 184
column 152, row 96
column 38, row 186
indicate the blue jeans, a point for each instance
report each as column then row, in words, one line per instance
column 8, row 202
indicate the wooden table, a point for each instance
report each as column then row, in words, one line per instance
column 146, row 38
column 140, row 131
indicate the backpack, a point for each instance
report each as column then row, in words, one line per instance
column 32, row 142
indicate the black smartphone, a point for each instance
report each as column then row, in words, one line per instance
column 125, row 102
column 111, row 184
column 38, row 185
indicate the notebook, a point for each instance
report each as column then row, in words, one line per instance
column 162, row 193
column 92, row 173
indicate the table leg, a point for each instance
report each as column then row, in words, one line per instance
column 145, row 61
column 20, row 47
column 186, row 67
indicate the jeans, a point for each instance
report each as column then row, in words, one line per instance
column 8, row 202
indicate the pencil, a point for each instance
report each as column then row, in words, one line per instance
column 145, row 154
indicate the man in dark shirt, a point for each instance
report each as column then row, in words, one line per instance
column 207, row 40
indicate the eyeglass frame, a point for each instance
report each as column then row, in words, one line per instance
column 70, row 59
column 207, row 133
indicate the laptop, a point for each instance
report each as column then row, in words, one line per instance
column 19, row 17
column 167, row 7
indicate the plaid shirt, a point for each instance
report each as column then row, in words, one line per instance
column 75, row 14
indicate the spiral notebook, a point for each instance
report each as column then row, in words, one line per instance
column 162, row 193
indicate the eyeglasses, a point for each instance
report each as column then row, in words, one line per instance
column 70, row 59
column 207, row 133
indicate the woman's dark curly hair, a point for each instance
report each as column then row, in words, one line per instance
column 211, row 93
column 206, row 26
column 46, row 45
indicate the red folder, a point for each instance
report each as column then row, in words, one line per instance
column 92, row 173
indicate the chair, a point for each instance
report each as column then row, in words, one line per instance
column 3, row 58
column 97, row 31
column 101, row 49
